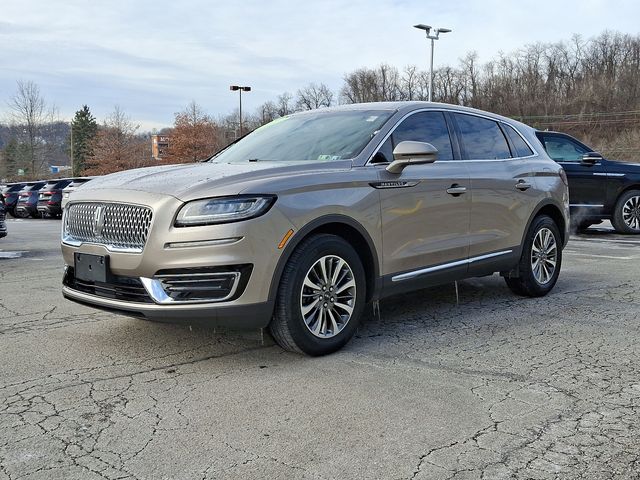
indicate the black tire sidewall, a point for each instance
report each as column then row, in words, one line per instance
column 291, row 286
column 618, row 222
column 526, row 272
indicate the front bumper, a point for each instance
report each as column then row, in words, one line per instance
column 170, row 249
column 247, row 316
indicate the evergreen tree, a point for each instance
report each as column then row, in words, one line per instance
column 16, row 156
column 83, row 131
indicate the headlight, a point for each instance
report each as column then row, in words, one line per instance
column 223, row 210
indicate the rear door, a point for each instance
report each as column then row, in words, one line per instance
column 504, row 192
column 587, row 183
column 424, row 222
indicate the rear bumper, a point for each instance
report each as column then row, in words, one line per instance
column 30, row 209
column 50, row 209
column 246, row 316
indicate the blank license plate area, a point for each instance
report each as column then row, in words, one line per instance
column 91, row 268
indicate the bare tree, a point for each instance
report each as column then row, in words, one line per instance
column 284, row 104
column 314, row 96
column 117, row 147
column 29, row 117
column 194, row 137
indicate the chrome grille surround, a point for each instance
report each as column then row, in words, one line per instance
column 120, row 227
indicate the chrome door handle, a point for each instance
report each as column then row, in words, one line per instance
column 456, row 190
column 522, row 185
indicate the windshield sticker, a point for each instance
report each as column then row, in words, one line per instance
column 329, row 157
column 372, row 118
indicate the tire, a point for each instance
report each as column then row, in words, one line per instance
column 538, row 281
column 294, row 329
column 626, row 215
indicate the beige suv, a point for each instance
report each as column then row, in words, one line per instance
column 306, row 220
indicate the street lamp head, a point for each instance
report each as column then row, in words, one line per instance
column 234, row 87
column 245, row 89
column 443, row 30
column 422, row 26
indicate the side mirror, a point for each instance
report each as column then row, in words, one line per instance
column 412, row 153
column 591, row 158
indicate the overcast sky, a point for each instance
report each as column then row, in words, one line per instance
column 153, row 57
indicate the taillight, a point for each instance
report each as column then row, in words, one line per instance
column 563, row 176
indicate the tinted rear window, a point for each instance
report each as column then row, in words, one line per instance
column 13, row 188
column 57, row 185
column 482, row 138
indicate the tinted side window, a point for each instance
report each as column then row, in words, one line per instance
column 429, row 127
column 482, row 138
column 522, row 149
column 563, row 149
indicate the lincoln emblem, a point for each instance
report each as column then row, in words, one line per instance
column 98, row 221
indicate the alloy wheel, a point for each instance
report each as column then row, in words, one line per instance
column 328, row 296
column 631, row 213
column 544, row 256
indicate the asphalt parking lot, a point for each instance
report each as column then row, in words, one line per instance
column 493, row 387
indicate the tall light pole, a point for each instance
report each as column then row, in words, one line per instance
column 431, row 36
column 240, row 89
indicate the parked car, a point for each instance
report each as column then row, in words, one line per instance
column 75, row 183
column 599, row 189
column 50, row 197
column 3, row 212
column 27, row 205
column 300, row 224
column 10, row 196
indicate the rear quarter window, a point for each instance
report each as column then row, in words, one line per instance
column 522, row 149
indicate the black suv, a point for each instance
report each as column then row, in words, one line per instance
column 10, row 196
column 27, row 205
column 50, row 198
column 599, row 189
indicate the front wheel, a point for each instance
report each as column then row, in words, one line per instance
column 626, row 216
column 540, row 261
column 320, row 298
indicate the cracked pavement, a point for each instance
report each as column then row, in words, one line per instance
column 495, row 387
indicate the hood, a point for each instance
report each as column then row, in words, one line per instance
column 634, row 167
column 196, row 180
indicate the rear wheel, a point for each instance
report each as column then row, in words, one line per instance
column 320, row 298
column 540, row 261
column 626, row 216
column 20, row 213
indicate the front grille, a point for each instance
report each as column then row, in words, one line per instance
column 118, row 226
column 127, row 289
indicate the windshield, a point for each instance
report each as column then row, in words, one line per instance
column 321, row 136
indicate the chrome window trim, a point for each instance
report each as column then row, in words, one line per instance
column 416, row 273
column 445, row 110
column 586, row 205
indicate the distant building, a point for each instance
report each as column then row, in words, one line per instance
column 159, row 146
